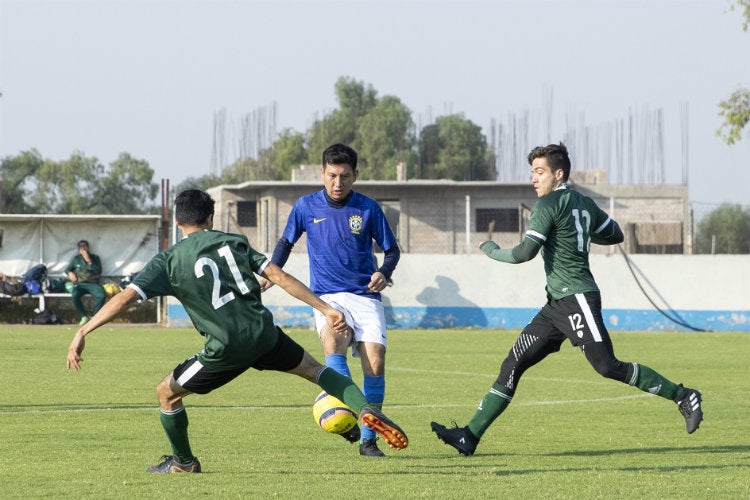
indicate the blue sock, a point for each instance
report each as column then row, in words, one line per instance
column 373, row 388
column 338, row 363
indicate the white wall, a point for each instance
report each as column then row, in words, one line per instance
column 704, row 291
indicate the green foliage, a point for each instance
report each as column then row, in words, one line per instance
column 736, row 113
column 743, row 5
column 379, row 128
column 126, row 188
column 251, row 169
column 385, row 137
column 569, row 433
column 77, row 185
column 288, row 153
column 728, row 227
column 454, row 148
column 355, row 101
column 736, row 109
column 18, row 180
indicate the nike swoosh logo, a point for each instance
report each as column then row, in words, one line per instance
column 315, row 221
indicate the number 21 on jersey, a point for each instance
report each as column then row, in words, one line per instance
column 217, row 299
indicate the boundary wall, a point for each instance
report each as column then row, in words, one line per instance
column 709, row 292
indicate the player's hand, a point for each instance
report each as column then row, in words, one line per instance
column 488, row 246
column 74, row 352
column 377, row 282
column 264, row 284
column 336, row 321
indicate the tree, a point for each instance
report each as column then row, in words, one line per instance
column 77, row 185
column 736, row 113
column 456, row 149
column 355, row 100
column 724, row 230
column 385, row 137
column 736, row 109
column 69, row 186
column 17, row 174
column 251, row 169
column 288, row 153
column 428, row 152
column 126, row 188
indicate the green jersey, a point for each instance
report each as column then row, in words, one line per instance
column 564, row 223
column 212, row 274
column 86, row 273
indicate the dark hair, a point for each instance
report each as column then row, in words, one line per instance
column 556, row 156
column 193, row 207
column 339, row 154
column 83, row 242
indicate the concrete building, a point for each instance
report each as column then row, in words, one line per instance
column 449, row 217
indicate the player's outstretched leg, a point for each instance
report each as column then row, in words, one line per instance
column 460, row 438
column 689, row 403
column 376, row 420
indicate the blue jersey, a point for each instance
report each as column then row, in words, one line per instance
column 339, row 241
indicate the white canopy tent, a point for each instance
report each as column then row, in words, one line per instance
column 123, row 242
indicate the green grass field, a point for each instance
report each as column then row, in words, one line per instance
column 568, row 433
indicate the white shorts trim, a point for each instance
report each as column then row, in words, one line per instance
column 581, row 298
column 366, row 316
column 188, row 374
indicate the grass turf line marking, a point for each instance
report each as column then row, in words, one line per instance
column 297, row 407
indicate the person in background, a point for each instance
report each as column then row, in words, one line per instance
column 562, row 225
column 84, row 271
column 341, row 226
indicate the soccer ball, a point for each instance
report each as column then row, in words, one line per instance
column 332, row 415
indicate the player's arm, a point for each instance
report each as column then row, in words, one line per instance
column 382, row 277
column 608, row 233
column 390, row 259
column 280, row 255
column 523, row 252
column 299, row 291
column 111, row 309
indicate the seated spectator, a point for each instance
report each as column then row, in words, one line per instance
column 85, row 272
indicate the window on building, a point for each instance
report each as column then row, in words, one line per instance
column 392, row 211
column 506, row 219
column 247, row 214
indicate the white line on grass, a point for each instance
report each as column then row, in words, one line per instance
column 297, row 407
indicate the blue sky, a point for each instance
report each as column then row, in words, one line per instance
column 147, row 77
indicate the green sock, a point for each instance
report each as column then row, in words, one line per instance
column 341, row 387
column 648, row 380
column 492, row 405
column 175, row 425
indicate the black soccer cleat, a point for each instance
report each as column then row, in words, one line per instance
column 460, row 438
column 690, row 407
column 171, row 465
column 391, row 433
column 369, row 448
column 352, row 435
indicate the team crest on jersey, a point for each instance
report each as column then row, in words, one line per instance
column 355, row 224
